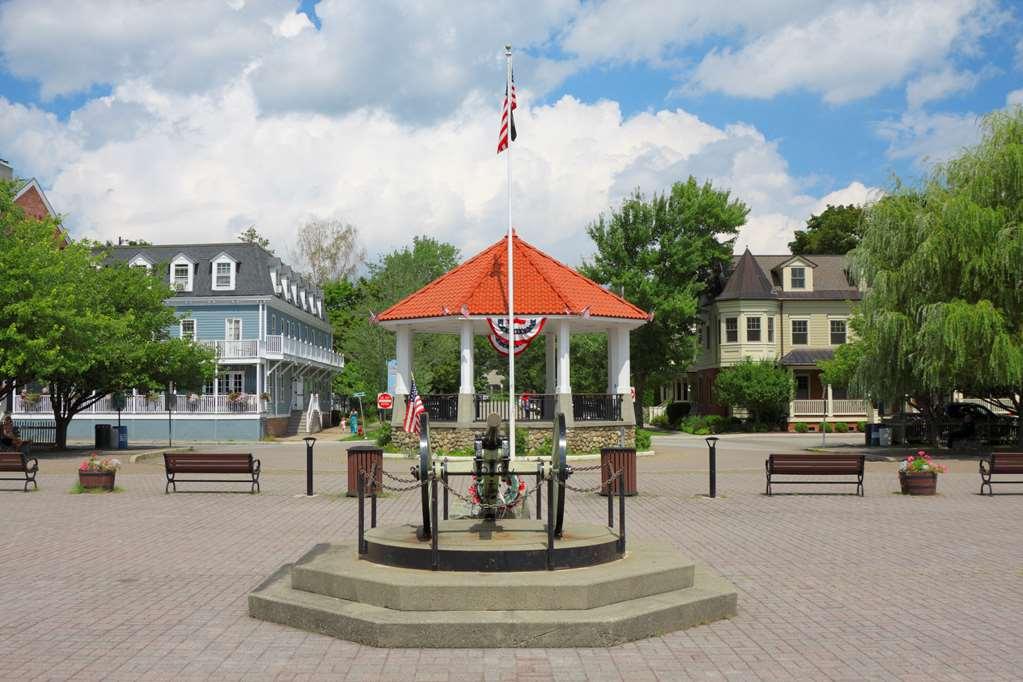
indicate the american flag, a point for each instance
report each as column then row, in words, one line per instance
column 414, row 409
column 507, row 118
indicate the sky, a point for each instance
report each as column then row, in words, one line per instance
column 180, row 121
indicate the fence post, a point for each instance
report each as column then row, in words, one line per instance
column 362, row 513
column 621, row 512
column 435, row 559
column 551, row 519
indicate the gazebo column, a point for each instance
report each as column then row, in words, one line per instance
column 403, row 354
column 564, row 374
column 619, row 338
column 467, row 372
column 612, row 365
column 550, row 364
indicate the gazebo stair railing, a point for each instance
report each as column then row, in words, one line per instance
column 603, row 407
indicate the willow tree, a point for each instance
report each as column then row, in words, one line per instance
column 944, row 269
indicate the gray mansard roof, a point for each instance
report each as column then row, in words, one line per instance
column 259, row 272
column 759, row 277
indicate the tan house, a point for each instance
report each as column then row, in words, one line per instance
column 793, row 309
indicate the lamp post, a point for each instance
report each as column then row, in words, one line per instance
column 309, row 441
column 712, row 446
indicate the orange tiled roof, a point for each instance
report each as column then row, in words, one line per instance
column 543, row 286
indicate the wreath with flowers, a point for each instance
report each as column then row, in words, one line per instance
column 511, row 491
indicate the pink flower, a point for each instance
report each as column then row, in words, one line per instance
column 910, row 458
column 921, row 453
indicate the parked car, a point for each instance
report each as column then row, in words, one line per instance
column 976, row 422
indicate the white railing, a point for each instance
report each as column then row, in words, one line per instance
column 655, row 411
column 274, row 345
column 850, row 406
column 153, row 404
column 804, row 408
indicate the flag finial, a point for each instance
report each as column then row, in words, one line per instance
column 507, row 50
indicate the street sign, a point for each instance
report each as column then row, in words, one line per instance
column 385, row 401
column 360, row 394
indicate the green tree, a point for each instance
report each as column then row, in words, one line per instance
column 841, row 369
column 83, row 330
column 251, row 236
column 661, row 253
column 835, row 231
column 762, row 387
column 944, row 308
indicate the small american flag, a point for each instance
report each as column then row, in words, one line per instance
column 414, row 409
column 507, row 118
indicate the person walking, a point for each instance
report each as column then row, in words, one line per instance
column 353, row 422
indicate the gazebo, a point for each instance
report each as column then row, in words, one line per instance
column 466, row 300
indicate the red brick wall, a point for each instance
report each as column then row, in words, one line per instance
column 33, row 204
column 702, row 396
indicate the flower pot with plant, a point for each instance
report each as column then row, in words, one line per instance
column 918, row 474
column 98, row 473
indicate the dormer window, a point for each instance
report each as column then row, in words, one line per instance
column 302, row 297
column 798, row 278
column 141, row 261
column 294, row 294
column 273, row 280
column 285, row 289
column 224, row 268
column 182, row 269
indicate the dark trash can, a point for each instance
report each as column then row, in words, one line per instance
column 122, row 437
column 363, row 458
column 104, row 437
column 619, row 459
column 868, row 433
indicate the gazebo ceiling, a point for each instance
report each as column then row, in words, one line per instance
column 543, row 286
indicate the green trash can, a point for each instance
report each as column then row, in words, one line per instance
column 105, row 437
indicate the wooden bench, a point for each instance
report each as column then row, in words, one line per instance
column 210, row 463
column 19, row 462
column 815, row 465
column 1000, row 463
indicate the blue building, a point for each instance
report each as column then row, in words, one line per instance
column 274, row 346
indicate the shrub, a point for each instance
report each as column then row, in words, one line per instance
column 716, row 423
column 542, row 448
column 691, row 423
column 861, row 426
column 661, row 421
column 384, row 435
column 841, row 427
column 761, row 427
column 521, row 440
column 702, row 431
column 642, row 439
column 762, row 387
column 801, row 427
column 678, row 411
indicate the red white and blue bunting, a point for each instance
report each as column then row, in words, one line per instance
column 526, row 330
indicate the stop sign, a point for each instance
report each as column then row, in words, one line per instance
column 384, row 401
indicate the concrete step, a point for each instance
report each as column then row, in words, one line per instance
column 336, row 571
column 709, row 599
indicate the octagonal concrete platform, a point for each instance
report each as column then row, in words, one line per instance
column 648, row 592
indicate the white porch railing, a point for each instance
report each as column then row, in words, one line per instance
column 845, row 407
column 154, row 404
column 274, row 346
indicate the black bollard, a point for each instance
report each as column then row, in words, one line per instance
column 309, row 465
column 712, row 444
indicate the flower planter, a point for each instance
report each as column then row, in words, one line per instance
column 918, row 482
column 97, row 479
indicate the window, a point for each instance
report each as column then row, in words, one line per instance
column 141, row 261
column 800, row 333
column 188, row 329
column 233, row 329
column 798, row 278
column 273, row 324
column 752, row 329
column 802, row 387
column 182, row 276
column 770, row 330
column 226, row 382
column 731, row 330
column 837, row 332
column 224, row 272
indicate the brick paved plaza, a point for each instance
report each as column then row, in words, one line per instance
column 142, row 585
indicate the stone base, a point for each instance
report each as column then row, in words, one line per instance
column 581, row 439
column 649, row 592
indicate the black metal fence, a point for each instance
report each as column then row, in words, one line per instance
column 528, row 408
column 594, row 407
column 40, row 432
column 441, row 407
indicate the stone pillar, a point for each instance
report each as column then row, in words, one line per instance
column 551, row 363
column 403, row 353
column 467, row 385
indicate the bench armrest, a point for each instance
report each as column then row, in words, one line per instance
column 255, row 466
column 767, row 465
column 985, row 469
column 32, row 464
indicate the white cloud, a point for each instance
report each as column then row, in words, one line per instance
column 938, row 85
column 1014, row 98
column 847, row 52
column 162, row 166
column 926, row 139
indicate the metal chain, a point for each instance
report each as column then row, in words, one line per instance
column 397, row 478
column 519, row 500
column 601, row 486
column 371, row 480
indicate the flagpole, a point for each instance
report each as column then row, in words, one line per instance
column 512, row 405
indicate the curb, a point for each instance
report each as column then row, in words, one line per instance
column 577, row 458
